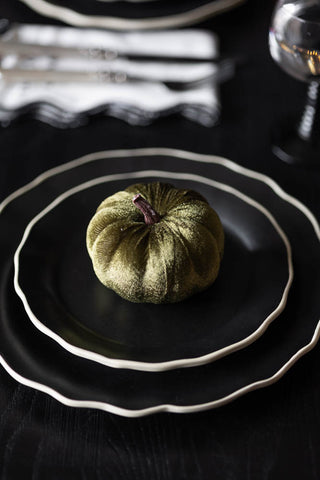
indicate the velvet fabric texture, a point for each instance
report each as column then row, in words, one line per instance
column 163, row 262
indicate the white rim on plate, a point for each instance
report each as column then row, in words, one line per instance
column 74, row 18
column 169, row 364
column 168, row 407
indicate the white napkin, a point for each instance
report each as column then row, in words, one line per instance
column 138, row 102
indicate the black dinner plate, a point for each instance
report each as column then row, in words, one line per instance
column 66, row 301
column 36, row 360
column 131, row 14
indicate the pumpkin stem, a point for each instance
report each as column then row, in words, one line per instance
column 150, row 215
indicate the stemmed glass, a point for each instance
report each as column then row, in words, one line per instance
column 294, row 42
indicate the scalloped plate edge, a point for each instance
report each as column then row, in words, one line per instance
column 74, row 18
column 107, row 407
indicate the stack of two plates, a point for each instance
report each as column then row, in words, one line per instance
column 65, row 334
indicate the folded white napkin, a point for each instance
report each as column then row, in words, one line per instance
column 136, row 102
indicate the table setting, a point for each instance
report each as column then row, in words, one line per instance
column 169, row 361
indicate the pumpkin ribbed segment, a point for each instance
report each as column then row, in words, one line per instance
column 161, row 263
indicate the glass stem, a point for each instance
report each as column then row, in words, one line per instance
column 309, row 126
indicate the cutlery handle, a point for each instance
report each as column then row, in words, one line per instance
column 94, row 53
column 24, row 75
column 34, row 50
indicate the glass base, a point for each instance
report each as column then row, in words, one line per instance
column 298, row 143
column 294, row 150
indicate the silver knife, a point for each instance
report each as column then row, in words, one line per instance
column 224, row 72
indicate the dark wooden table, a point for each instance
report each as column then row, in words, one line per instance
column 273, row 433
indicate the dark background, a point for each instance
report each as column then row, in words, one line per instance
column 268, row 434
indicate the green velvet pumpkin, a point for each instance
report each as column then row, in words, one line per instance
column 155, row 243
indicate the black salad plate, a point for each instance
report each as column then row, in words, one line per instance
column 65, row 300
column 118, row 14
column 38, row 361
